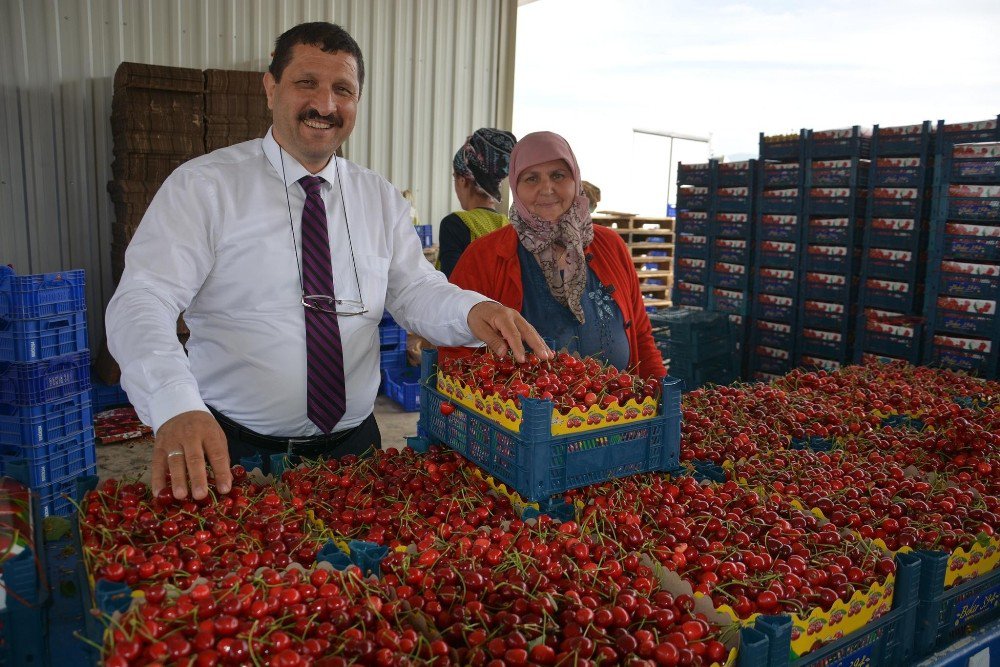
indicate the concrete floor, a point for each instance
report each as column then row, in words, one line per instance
column 129, row 459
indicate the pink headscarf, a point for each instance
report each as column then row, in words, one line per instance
column 574, row 229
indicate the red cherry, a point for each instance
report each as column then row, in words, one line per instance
column 447, row 408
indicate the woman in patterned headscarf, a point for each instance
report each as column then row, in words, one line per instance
column 574, row 282
column 480, row 165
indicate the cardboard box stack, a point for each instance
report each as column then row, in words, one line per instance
column 235, row 108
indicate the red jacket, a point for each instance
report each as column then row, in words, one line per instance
column 490, row 266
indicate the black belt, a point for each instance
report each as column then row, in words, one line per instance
column 278, row 445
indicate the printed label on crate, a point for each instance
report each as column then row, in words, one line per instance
column 824, row 307
column 963, row 229
column 826, row 278
column 779, row 220
column 877, row 314
column 701, row 166
column 692, row 239
column 902, row 130
column 896, row 193
column 984, row 149
column 890, row 255
column 736, row 319
column 690, row 263
column 978, row 306
column 743, row 165
column 739, row 218
column 777, row 274
column 693, row 190
column 736, row 244
column 781, row 166
column 970, row 268
column 894, row 224
column 775, row 300
column 971, row 127
column 785, row 193
column 959, row 343
column 765, row 377
column 778, row 246
column 983, row 557
column 773, row 352
column 505, row 413
column 820, row 362
column 880, row 285
column 842, row 133
column 828, row 250
column 735, row 192
column 829, row 222
column 692, row 215
column 891, row 162
column 831, row 164
column 963, row 190
column 684, row 286
column 882, row 327
column 819, row 334
column 728, row 294
column 777, row 327
column 726, row 267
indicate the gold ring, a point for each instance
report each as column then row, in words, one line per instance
column 178, row 452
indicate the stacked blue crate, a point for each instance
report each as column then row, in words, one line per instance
column 46, row 417
column 777, row 252
column 963, row 275
column 836, row 183
column 698, row 347
column 890, row 294
column 731, row 230
column 399, row 382
column 692, row 237
column 426, row 234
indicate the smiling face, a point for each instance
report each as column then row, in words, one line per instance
column 547, row 190
column 315, row 104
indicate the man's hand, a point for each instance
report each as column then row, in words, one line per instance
column 182, row 444
column 504, row 329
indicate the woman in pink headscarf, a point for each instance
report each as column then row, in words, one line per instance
column 574, row 282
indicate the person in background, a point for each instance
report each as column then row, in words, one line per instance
column 480, row 165
column 574, row 281
column 282, row 257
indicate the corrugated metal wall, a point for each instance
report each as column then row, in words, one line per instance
column 436, row 70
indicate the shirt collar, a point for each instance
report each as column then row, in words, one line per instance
column 293, row 170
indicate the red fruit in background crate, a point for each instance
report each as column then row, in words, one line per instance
column 447, row 408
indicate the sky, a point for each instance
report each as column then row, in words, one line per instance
column 595, row 70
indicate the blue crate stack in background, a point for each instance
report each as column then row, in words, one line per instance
column 46, row 416
column 698, row 346
column 692, row 237
column 400, row 382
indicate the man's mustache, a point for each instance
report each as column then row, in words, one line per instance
column 312, row 114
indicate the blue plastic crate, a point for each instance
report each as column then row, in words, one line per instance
column 785, row 200
column 773, row 334
column 57, row 498
column 730, row 301
column 828, row 286
column 831, row 258
column 688, row 327
column 775, row 308
column 426, row 234
column 106, row 396
column 69, row 457
column 394, row 358
column 824, row 314
column 733, row 199
column 43, row 338
column 839, row 173
column 891, row 263
column 973, row 202
column 783, row 146
column 900, row 172
column 390, row 333
column 903, row 139
column 692, row 198
column 966, row 279
column 779, row 175
column 892, row 295
column 899, row 337
column 403, row 386
column 842, row 230
column 973, row 317
column 538, row 465
column 775, row 361
column 973, row 163
column 826, row 343
column 821, row 363
column 40, row 295
column 44, row 381
column 904, row 233
column 731, row 251
column 24, row 620
column 732, row 225
column 692, row 245
column 729, row 174
column 836, row 201
column 31, row 426
column 780, row 282
column 778, row 254
column 840, row 143
column 944, row 615
column 691, row 222
column 974, row 355
column 694, row 174
column 969, row 240
column 949, row 134
column 730, row 276
column 774, row 227
column 896, row 202
column 690, row 294
column 691, row 269
column 886, row 641
column 686, row 368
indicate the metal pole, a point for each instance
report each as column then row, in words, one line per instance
column 670, row 174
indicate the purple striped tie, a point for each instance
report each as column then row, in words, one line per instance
column 326, row 394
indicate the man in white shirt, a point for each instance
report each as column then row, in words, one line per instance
column 222, row 242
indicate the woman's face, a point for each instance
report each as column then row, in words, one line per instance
column 547, row 190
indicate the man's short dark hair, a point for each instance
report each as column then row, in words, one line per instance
column 327, row 36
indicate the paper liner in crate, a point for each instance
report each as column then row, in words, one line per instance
column 119, row 425
column 506, row 414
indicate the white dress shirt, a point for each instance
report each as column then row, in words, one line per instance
column 217, row 243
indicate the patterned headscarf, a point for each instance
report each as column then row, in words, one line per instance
column 574, row 229
column 485, row 158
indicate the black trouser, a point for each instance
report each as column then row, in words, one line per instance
column 361, row 440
